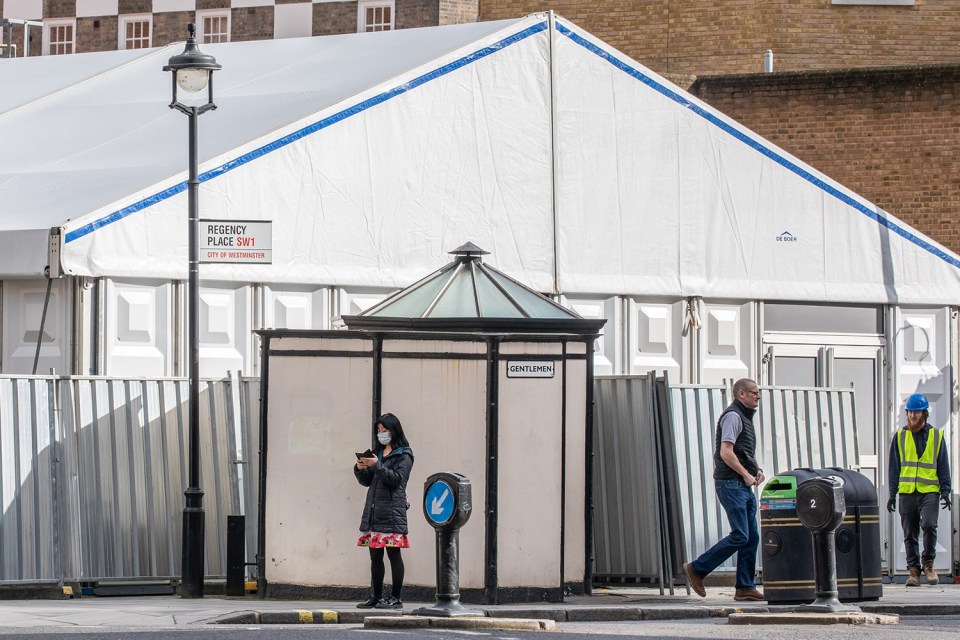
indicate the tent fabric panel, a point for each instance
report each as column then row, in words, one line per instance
column 109, row 132
column 733, row 216
column 372, row 198
column 618, row 201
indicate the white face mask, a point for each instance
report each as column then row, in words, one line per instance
column 384, row 437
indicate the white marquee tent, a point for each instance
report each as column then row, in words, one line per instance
column 579, row 169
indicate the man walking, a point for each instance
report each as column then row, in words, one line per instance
column 735, row 473
column 920, row 473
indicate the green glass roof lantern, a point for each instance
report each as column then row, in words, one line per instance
column 468, row 295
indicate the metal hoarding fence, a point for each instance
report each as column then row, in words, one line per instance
column 93, row 471
column 645, row 509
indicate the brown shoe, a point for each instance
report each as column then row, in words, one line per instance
column 753, row 594
column 913, row 580
column 695, row 581
column 930, row 573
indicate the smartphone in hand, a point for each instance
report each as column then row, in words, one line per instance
column 366, row 454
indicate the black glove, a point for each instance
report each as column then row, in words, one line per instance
column 892, row 505
column 945, row 502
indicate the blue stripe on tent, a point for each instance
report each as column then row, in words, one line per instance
column 310, row 129
column 756, row 145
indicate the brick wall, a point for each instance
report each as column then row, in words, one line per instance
column 203, row 5
column 251, row 23
column 334, row 17
column 171, row 27
column 416, row 13
column 458, row 11
column 97, row 34
column 893, row 136
column 59, row 8
column 730, row 36
column 135, row 6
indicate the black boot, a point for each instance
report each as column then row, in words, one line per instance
column 369, row 603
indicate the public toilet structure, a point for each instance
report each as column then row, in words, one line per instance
column 490, row 379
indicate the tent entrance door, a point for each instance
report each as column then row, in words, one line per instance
column 824, row 361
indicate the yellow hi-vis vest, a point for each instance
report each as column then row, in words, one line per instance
column 919, row 473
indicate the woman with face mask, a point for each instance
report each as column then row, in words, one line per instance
column 383, row 524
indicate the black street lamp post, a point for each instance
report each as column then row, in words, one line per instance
column 193, row 72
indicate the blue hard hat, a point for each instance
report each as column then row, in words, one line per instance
column 917, row 402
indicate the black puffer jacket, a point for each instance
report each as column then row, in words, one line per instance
column 385, row 510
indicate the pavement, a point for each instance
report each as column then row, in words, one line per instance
column 626, row 603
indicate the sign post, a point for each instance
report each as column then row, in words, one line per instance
column 447, row 506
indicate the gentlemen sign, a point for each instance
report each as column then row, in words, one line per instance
column 530, row 368
column 244, row 241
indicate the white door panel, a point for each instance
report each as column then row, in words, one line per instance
column 22, row 306
column 656, row 341
column 726, row 341
column 923, row 365
column 137, row 318
column 353, row 302
column 606, row 358
column 226, row 341
column 295, row 308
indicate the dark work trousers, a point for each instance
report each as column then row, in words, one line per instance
column 918, row 512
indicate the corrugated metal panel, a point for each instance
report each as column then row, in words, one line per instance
column 248, row 466
column 28, row 551
column 626, row 516
column 797, row 427
column 95, row 491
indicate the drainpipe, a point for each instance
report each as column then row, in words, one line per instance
column 768, row 61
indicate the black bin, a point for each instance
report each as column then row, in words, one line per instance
column 787, row 546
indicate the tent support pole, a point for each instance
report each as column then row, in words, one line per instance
column 557, row 289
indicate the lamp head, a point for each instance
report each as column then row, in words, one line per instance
column 192, row 68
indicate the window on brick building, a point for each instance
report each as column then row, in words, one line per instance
column 213, row 26
column 135, row 32
column 59, row 37
column 375, row 15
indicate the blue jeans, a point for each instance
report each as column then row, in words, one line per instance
column 744, row 537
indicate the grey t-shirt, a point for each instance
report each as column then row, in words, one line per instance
column 730, row 427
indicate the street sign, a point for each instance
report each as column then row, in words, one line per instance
column 531, row 369
column 235, row 241
column 439, row 503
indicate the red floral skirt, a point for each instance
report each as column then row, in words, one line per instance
column 376, row 540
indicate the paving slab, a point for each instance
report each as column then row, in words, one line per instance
column 854, row 618
column 484, row 623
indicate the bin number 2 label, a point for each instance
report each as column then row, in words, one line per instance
column 813, row 503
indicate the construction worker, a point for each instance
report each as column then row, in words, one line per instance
column 920, row 474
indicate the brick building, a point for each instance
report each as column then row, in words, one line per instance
column 730, row 36
column 78, row 26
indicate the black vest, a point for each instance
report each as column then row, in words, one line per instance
column 745, row 447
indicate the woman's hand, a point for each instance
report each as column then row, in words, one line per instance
column 367, row 463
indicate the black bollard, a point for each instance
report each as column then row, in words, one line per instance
column 236, row 555
column 447, row 507
column 821, row 506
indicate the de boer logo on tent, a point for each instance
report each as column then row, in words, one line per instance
column 786, row 236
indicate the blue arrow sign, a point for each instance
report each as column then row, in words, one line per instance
column 438, row 502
